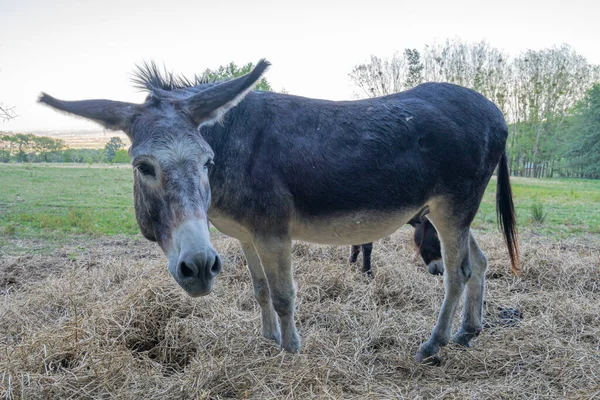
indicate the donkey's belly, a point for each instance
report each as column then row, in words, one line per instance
column 352, row 228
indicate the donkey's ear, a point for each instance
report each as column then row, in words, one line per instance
column 211, row 104
column 114, row 115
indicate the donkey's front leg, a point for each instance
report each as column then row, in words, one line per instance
column 270, row 326
column 275, row 256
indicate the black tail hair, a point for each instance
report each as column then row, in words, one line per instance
column 505, row 212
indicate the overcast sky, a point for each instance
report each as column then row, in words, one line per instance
column 87, row 49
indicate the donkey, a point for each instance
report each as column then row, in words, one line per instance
column 285, row 168
column 426, row 240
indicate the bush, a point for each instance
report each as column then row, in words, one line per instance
column 538, row 216
column 121, row 156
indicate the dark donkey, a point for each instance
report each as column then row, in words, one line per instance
column 426, row 240
column 288, row 167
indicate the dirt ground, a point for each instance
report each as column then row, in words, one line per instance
column 103, row 319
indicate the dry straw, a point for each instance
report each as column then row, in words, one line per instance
column 103, row 319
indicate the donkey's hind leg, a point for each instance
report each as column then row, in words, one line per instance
column 455, row 253
column 262, row 293
column 354, row 252
column 275, row 256
column 472, row 315
column 367, row 249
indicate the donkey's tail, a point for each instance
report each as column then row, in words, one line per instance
column 505, row 212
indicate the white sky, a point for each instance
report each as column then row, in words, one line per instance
column 87, row 49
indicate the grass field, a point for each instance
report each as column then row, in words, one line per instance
column 57, row 200
column 88, row 309
column 571, row 207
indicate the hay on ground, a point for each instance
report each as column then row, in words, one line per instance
column 103, row 319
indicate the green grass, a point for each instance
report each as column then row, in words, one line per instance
column 54, row 201
column 571, row 207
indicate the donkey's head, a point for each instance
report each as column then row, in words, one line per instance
column 171, row 160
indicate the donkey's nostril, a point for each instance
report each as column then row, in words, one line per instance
column 216, row 267
column 186, row 271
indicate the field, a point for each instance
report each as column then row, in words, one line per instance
column 88, row 309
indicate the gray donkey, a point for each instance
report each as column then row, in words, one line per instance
column 268, row 168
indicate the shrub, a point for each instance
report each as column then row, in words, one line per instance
column 538, row 216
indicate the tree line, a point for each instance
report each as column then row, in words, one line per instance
column 549, row 98
column 30, row 148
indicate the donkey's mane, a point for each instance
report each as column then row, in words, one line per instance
column 151, row 78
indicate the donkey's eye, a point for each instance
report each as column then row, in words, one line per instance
column 146, row 169
column 209, row 162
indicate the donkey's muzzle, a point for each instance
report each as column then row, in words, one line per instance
column 436, row 267
column 196, row 271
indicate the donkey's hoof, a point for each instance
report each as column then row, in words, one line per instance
column 436, row 267
column 463, row 338
column 275, row 336
column 292, row 344
column 433, row 360
column 369, row 275
column 294, row 349
column 428, row 355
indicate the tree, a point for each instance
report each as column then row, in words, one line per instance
column 478, row 66
column 415, row 68
column 47, row 147
column 380, row 76
column 110, row 150
column 22, row 147
column 72, row 156
column 7, row 112
column 121, row 156
column 546, row 83
column 584, row 150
